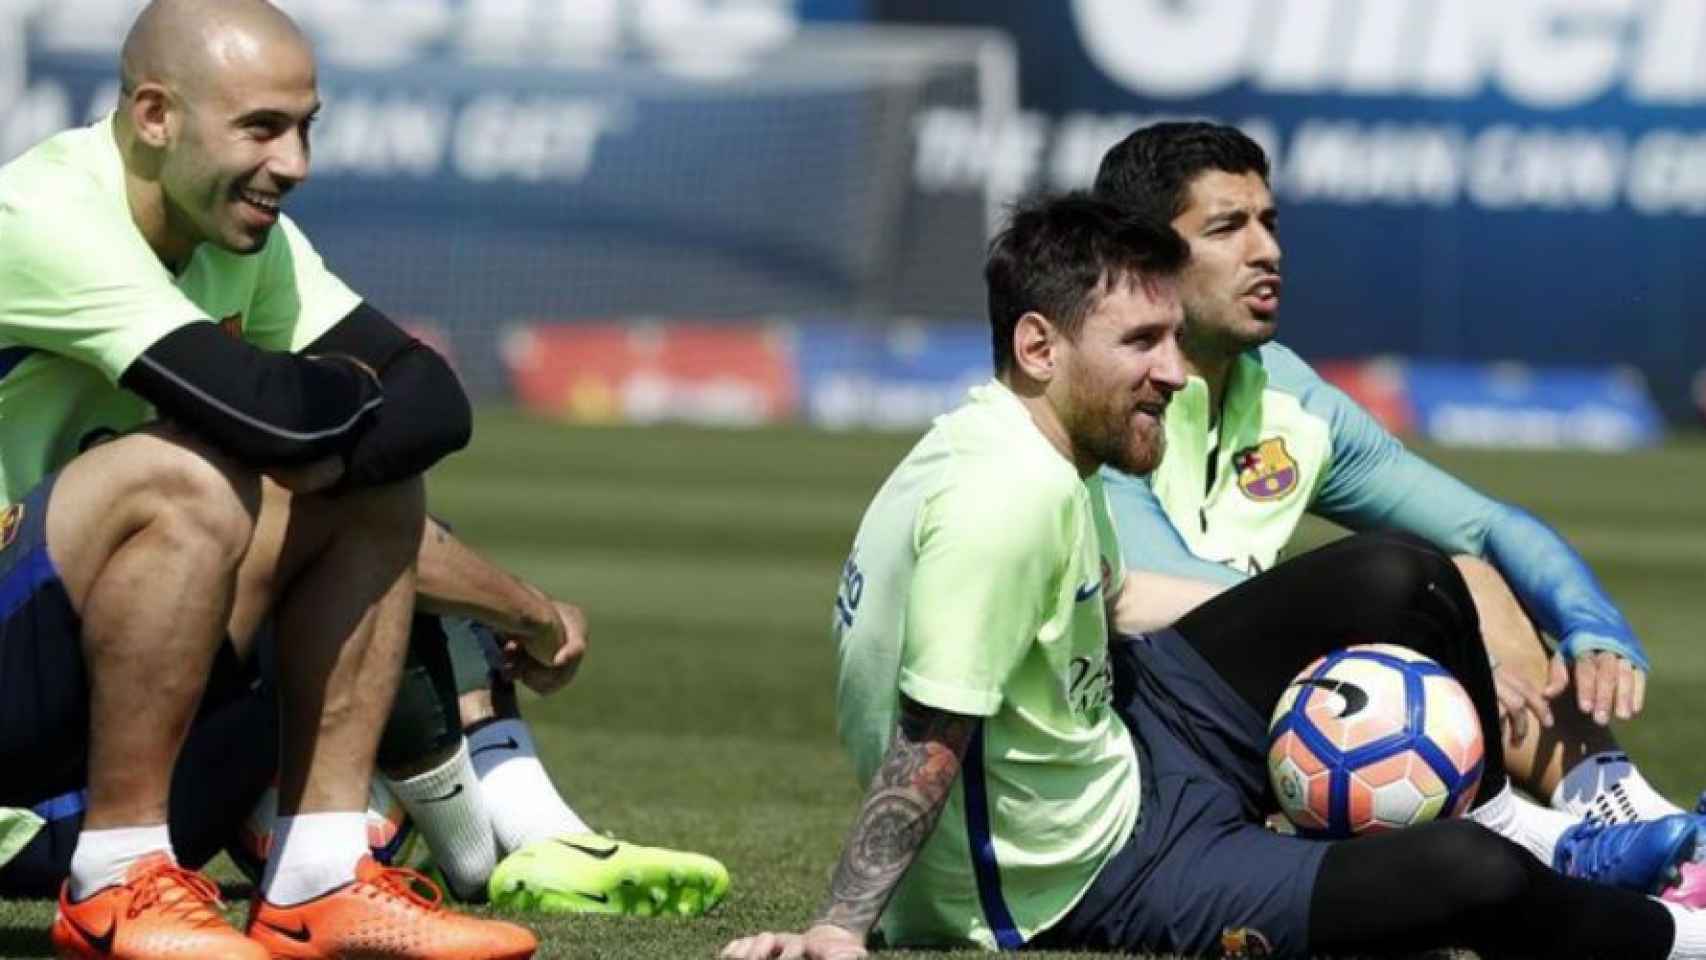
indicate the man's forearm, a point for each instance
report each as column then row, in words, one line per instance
column 454, row 579
column 1150, row 601
column 898, row 814
column 1555, row 584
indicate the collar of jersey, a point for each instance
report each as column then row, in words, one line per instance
column 1187, row 421
column 1000, row 399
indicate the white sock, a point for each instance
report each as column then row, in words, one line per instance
column 524, row 804
column 449, row 809
column 1607, row 787
column 313, row 854
column 103, row 857
column 1690, row 942
column 1524, row 822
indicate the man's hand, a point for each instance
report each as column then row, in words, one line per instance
column 1606, row 684
column 546, row 659
column 1518, row 699
column 825, row 941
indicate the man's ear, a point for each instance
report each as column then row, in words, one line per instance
column 1036, row 344
column 151, row 114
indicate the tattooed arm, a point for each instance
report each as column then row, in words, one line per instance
column 899, row 812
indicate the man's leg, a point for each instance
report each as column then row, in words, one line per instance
column 1200, row 874
column 146, row 532
column 1456, row 884
column 554, row 862
column 1396, row 588
column 335, row 575
column 141, row 540
column 424, row 760
column 1575, row 764
column 226, row 763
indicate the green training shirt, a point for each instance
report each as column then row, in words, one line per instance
column 976, row 585
column 82, row 296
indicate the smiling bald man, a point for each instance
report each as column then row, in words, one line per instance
column 205, row 430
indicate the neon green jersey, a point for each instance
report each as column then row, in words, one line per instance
column 82, row 296
column 976, row 586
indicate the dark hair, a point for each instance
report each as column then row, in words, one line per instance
column 1150, row 170
column 1057, row 252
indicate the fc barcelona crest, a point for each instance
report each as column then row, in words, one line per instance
column 1244, row 943
column 1265, row 471
column 11, row 519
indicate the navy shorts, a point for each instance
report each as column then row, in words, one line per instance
column 227, row 762
column 1200, row 874
column 44, row 686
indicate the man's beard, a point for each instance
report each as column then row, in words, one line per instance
column 1107, row 433
column 1204, row 342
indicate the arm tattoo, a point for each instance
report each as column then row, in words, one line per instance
column 898, row 814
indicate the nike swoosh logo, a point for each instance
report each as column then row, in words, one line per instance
column 103, row 943
column 449, row 796
column 1087, row 591
column 592, row 852
column 1356, row 698
column 508, row 744
column 595, row 897
column 301, row 934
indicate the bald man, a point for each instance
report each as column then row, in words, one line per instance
column 206, row 430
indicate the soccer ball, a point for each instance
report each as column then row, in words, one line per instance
column 391, row 835
column 1373, row 738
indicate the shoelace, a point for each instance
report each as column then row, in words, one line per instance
column 407, row 884
column 179, row 892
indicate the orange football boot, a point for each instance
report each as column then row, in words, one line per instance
column 160, row 911
column 383, row 913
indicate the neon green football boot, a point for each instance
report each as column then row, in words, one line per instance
column 592, row 873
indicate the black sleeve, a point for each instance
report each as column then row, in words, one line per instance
column 262, row 407
column 426, row 414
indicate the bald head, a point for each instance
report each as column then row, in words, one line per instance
column 190, row 46
column 213, row 124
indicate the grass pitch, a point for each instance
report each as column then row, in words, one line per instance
column 706, row 562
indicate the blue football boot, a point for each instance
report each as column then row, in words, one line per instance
column 1688, row 887
column 1645, row 856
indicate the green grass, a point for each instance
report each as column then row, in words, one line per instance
column 706, row 562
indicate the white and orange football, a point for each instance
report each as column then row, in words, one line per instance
column 1371, row 738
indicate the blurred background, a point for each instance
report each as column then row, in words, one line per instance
column 635, row 223
column 743, row 211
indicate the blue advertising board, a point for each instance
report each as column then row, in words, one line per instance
column 1457, row 179
column 1513, row 405
column 895, row 377
column 480, row 166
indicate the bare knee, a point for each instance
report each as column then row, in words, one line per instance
column 206, row 504
column 182, row 494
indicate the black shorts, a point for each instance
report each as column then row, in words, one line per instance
column 44, row 685
column 226, row 763
column 1200, row 874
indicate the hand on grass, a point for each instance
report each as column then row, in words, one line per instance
column 1517, row 700
column 1607, row 685
column 822, row 942
column 546, row 660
